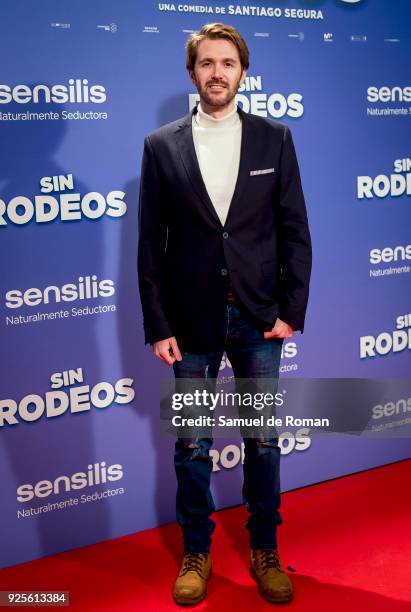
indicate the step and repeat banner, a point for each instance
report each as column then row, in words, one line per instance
column 82, row 458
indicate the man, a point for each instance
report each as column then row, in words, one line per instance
column 224, row 262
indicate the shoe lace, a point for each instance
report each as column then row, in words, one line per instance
column 193, row 562
column 270, row 558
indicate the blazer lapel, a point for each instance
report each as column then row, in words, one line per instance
column 188, row 154
column 244, row 167
column 185, row 143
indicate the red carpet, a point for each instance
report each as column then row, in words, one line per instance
column 349, row 541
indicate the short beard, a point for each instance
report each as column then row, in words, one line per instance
column 223, row 101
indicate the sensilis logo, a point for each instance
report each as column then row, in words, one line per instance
column 398, row 93
column 389, row 254
column 96, row 474
column 85, row 288
column 77, row 91
column 389, row 409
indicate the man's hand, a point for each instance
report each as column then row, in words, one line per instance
column 167, row 350
column 280, row 330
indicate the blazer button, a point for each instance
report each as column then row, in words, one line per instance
column 224, row 271
column 225, row 235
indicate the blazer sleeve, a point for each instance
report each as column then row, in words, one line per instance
column 294, row 239
column 151, row 248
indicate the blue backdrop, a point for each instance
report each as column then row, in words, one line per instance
column 81, row 457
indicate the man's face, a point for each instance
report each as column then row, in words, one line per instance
column 217, row 73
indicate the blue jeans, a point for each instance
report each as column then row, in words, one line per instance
column 251, row 356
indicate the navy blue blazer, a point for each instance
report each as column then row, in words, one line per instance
column 186, row 257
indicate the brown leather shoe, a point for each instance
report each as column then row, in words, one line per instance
column 273, row 583
column 191, row 584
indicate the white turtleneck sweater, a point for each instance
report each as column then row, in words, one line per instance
column 217, row 143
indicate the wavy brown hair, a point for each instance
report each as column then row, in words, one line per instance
column 215, row 31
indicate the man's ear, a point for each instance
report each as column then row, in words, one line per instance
column 243, row 75
column 192, row 76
